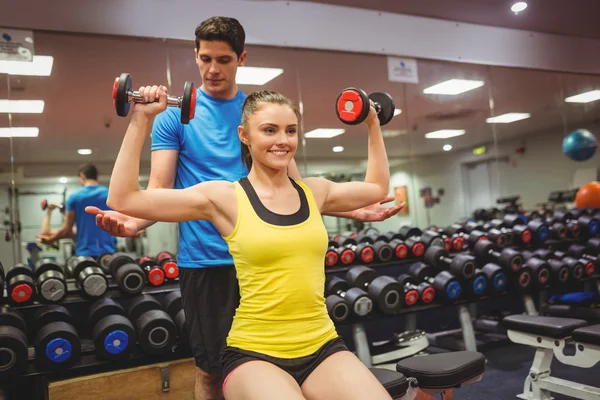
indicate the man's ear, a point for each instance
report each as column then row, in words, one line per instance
column 242, row 59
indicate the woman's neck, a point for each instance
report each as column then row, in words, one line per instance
column 269, row 179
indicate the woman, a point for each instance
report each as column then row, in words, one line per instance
column 282, row 344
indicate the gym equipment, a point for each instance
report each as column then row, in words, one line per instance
column 414, row 291
column 129, row 276
column 509, row 259
column 103, row 262
column 461, row 266
column 587, row 224
column 412, row 239
column 352, row 106
column 342, row 300
column 382, row 250
column 57, row 344
column 496, row 276
column 13, row 343
column 586, row 266
column 588, row 195
column 540, row 271
column 445, row 284
column 168, row 263
column 539, row 231
column 398, row 246
column 363, row 251
column 112, row 333
column 123, row 94
column 51, row 283
column 44, row 206
column 476, row 286
column 383, row 290
column 20, row 284
column 579, row 145
column 154, row 273
column 90, row 278
column 401, row 346
column 174, row 307
column 550, row 335
column 156, row 331
column 338, row 255
column 516, row 232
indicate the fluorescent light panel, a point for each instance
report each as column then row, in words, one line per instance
column 518, row 7
column 447, row 147
column 40, row 66
column 22, row 106
column 586, row 97
column 397, row 111
column 63, row 180
column 507, row 118
column 324, row 133
column 256, row 75
column 19, row 132
column 445, row 133
column 338, row 149
column 84, row 152
column 453, row 87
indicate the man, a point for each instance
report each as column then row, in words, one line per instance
column 90, row 240
column 206, row 149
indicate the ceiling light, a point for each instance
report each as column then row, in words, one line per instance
column 338, row 149
column 19, row 132
column 39, row 66
column 447, row 147
column 518, row 7
column 507, row 118
column 445, row 133
column 256, row 75
column 323, row 133
column 22, row 106
column 84, row 152
column 453, row 87
column 397, row 111
column 586, row 97
column 63, row 180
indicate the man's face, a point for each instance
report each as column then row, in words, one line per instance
column 218, row 64
column 81, row 179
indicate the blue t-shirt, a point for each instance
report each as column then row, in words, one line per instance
column 91, row 240
column 209, row 149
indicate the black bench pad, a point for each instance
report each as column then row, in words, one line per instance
column 395, row 383
column 553, row 327
column 587, row 335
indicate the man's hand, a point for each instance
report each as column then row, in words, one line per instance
column 376, row 212
column 113, row 222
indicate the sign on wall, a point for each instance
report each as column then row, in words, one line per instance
column 16, row 45
column 402, row 70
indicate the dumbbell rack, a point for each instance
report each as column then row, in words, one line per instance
column 33, row 383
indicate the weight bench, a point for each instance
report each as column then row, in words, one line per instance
column 550, row 336
column 421, row 377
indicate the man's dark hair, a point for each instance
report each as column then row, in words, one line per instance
column 89, row 171
column 223, row 29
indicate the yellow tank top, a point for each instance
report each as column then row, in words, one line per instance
column 280, row 270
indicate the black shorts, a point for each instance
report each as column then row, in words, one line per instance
column 210, row 297
column 299, row 368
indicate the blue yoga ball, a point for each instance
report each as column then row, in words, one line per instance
column 580, row 145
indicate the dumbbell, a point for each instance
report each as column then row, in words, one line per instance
column 123, row 94
column 540, row 271
column 412, row 239
column 399, row 248
column 20, row 284
column 558, row 231
column 496, row 276
column 383, row 290
column 515, row 233
column 154, row 273
column 168, row 262
column 129, row 276
column 113, row 334
column 173, row 305
column 477, row 285
column 539, row 230
column 588, row 264
column 508, row 258
column 362, row 251
column 356, row 300
column 50, row 283
column 156, row 331
column 429, row 238
column 44, row 206
column 589, row 225
column 415, row 291
column 461, row 266
column 446, row 286
column 57, row 343
column 560, row 271
column 338, row 255
column 382, row 250
column 103, row 261
column 352, row 106
column 88, row 275
column 13, row 343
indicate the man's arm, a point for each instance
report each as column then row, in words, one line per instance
column 65, row 231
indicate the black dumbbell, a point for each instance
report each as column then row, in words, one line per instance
column 496, row 277
column 558, row 231
column 154, row 273
column 526, row 232
column 174, row 307
column 44, row 206
column 338, row 255
column 446, row 286
column 113, row 334
column 545, row 254
column 156, row 331
column 461, row 266
column 560, row 271
column 20, row 284
column 88, row 275
column 339, row 291
column 412, row 239
column 416, row 291
column 384, row 290
column 477, row 285
column 508, row 258
column 103, row 261
column 168, row 262
column 57, row 343
column 363, row 252
column 399, row 248
column 13, row 343
column 51, row 283
column 540, row 271
column 123, row 94
column 129, row 276
column 383, row 252
column 352, row 106
column 588, row 225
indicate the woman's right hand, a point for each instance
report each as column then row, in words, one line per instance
column 155, row 100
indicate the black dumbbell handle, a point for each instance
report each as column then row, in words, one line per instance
column 137, row 97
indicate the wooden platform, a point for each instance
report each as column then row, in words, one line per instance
column 144, row 383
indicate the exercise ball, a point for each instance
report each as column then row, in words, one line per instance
column 588, row 195
column 579, row 145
